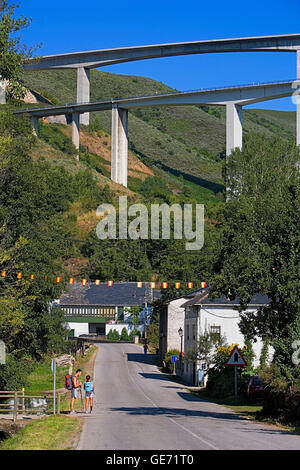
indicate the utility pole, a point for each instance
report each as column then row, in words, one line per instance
column 148, row 292
column 146, row 316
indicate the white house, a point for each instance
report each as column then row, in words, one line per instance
column 220, row 316
column 97, row 309
column 171, row 319
column 195, row 314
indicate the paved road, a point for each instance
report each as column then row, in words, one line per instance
column 139, row 408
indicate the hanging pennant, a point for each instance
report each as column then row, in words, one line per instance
column 3, row 274
column 139, row 284
column 190, row 285
column 110, row 283
column 58, row 279
column 71, row 280
column 19, row 275
column 203, row 284
column 84, row 282
column 32, row 276
column 164, row 285
column 152, row 285
column 177, row 285
column 97, row 282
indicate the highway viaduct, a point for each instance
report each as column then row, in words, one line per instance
column 85, row 60
column 234, row 98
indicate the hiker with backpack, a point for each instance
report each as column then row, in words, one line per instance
column 72, row 383
column 89, row 389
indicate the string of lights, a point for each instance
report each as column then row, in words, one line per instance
column 98, row 282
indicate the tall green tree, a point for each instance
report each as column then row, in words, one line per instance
column 13, row 52
column 260, row 241
column 34, row 239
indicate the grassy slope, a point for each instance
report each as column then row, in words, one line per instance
column 196, row 127
column 182, row 144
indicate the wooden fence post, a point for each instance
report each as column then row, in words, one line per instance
column 23, row 401
column 58, row 403
column 15, row 414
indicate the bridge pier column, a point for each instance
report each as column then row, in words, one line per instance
column 298, row 101
column 83, row 91
column 234, row 127
column 119, row 145
column 76, row 131
column 35, row 124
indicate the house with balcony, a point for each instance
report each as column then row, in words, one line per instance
column 96, row 309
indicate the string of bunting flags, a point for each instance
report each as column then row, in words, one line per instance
column 97, row 282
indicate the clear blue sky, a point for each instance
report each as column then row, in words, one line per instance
column 69, row 26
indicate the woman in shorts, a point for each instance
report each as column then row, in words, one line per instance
column 89, row 389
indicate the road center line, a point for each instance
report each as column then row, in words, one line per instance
column 171, row 419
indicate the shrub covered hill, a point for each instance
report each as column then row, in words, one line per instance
column 176, row 155
column 186, row 141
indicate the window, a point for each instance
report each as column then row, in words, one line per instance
column 215, row 331
column 194, row 332
column 187, row 331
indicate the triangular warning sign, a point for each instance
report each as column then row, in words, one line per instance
column 236, row 358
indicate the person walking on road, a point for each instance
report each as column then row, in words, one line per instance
column 145, row 348
column 89, row 388
column 76, row 386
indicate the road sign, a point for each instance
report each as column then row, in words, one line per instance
column 236, row 358
column 174, row 359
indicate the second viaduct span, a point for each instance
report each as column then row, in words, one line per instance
column 85, row 60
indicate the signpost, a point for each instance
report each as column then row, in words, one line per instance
column 53, row 369
column 235, row 360
column 173, row 360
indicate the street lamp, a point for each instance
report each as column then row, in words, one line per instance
column 180, row 332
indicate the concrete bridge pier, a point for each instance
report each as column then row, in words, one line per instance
column 119, row 145
column 83, row 91
column 234, row 127
column 35, row 124
column 76, row 131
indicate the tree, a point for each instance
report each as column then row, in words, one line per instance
column 204, row 349
column 124, row 335
column 12, row 52
column 260, row 242
column 33, row 240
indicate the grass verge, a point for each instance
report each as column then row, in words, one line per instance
column 54, row 432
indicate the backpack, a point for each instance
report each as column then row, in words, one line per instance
column 88, row 386
column 69, row 382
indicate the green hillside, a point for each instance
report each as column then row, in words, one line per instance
column 186, row 141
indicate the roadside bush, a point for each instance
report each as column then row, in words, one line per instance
column 124, row 335
column 220, row 383
column 13, row 374
column 281, row 400
column 167, row 358
column 133, row 333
